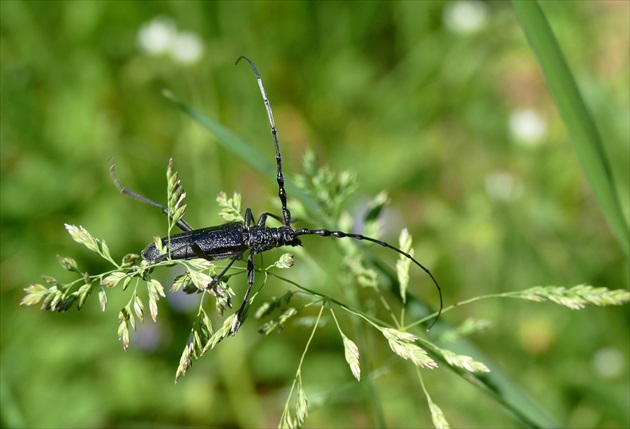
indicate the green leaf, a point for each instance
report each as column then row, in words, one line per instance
column 575, row 115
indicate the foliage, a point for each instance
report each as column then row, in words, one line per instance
column 197, row 278
column 401, row 94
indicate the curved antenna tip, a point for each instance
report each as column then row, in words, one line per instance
column 251, row 63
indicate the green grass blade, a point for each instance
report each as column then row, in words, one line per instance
column 241, row 149
column 578, row 121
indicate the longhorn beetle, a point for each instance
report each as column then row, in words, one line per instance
column 232, row 240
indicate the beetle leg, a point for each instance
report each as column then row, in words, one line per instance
column 241, row 315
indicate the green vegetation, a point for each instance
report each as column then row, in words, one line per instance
column 408, row 99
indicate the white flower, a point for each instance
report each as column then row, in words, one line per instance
column 161, row 37
column 187, row 48
column 465, row 17
column 503, row 186
column 608, row 362
column 528, row 127
column 156, row 37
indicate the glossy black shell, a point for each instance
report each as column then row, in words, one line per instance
column 222, row 241
column 215, row 242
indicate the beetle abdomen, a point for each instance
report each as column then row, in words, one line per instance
column 215, row 242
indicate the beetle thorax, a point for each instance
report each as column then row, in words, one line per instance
column 261, row 238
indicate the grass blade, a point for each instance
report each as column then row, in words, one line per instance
column 579, row 123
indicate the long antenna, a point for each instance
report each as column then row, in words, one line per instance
column 286, row 214
column 341, row 234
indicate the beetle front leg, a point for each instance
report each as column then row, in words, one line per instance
column 262, row 220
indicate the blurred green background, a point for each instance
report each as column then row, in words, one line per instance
column 441, row 104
